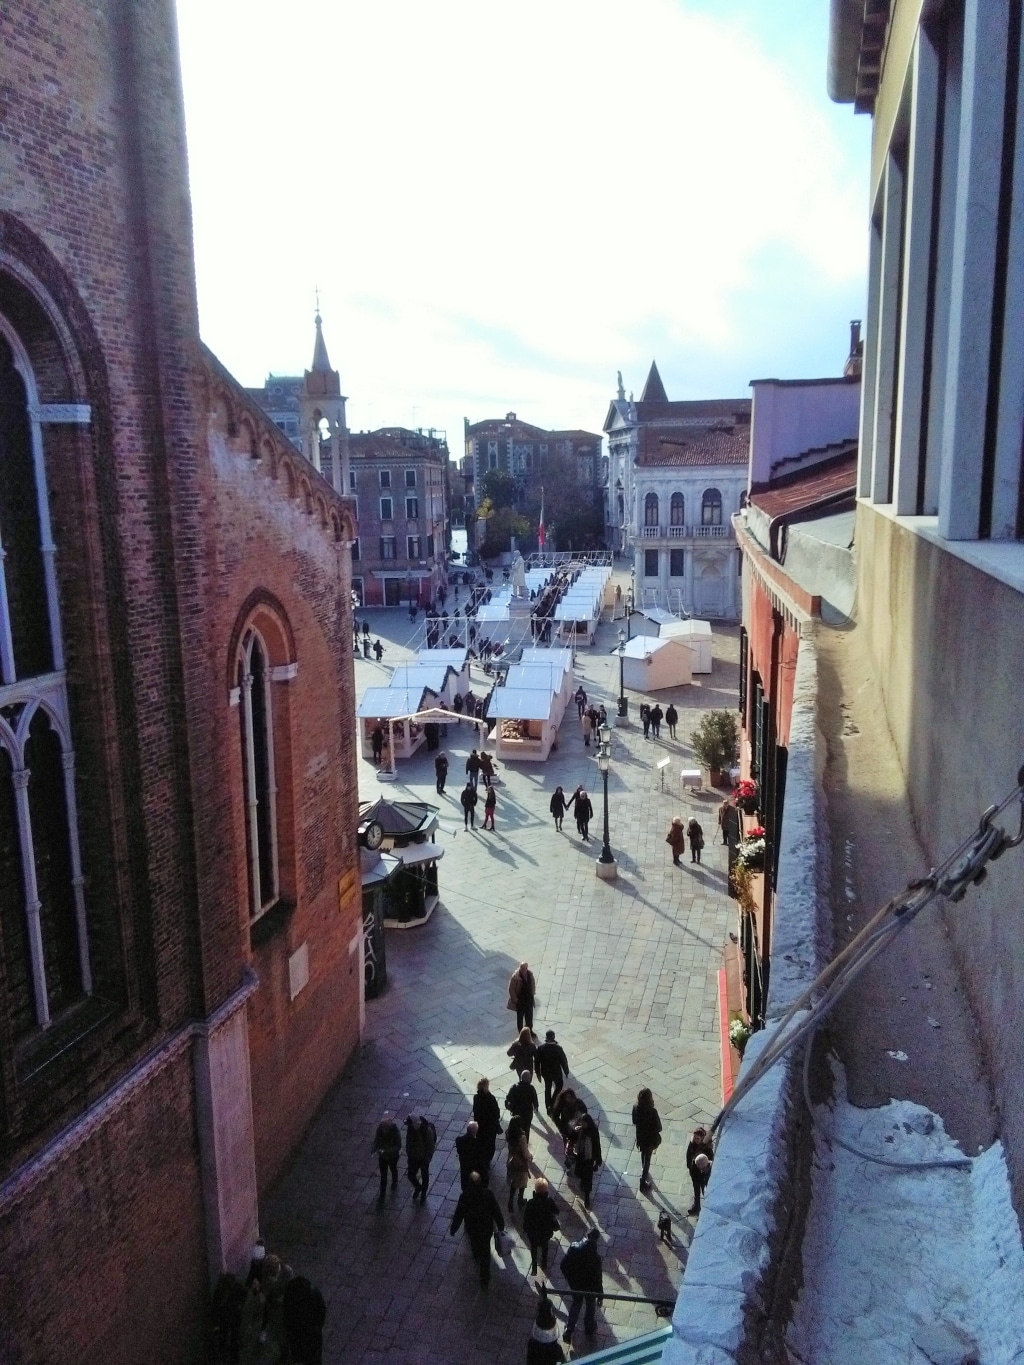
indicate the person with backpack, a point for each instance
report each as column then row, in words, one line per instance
column 586, row 1149
column 482, row 1215
column 387, row 1145
column 581, row 1266
column 540, row 1223
column 420, row 1145
column 696, row 837
column 522, row 1101
column 647, row 1122
column 552, row 1066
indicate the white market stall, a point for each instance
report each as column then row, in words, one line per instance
column 452, row 658
column 696, row 634
column 393, row 709
column 527, row 712
column 440, row 680
column 650, row 663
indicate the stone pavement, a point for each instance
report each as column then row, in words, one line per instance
column 626, row 975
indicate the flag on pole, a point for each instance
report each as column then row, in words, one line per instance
column 540, row 528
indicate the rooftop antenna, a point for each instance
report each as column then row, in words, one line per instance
column 316, row 293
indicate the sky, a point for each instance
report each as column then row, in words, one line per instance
column 501, row 206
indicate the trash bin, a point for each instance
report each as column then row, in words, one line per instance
column 623, row 706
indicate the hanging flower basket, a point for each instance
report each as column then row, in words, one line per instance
column 747, row 796
column 752, row 850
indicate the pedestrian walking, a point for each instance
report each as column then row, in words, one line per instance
column 482, row 1215
column 647, row 1122
column 517, row 1160
column 580, row 698
column 586, row 1151
column 676, row 837
column 581, row 1266
column 523, row 1052
column 366, row 630
column 671, row 719
column 522, row 1102
column 490, row 801
column 602, row 716
column 540, row 1223
column 473, row 769
column 584, row 812
column 727, row 818
column 441, row 772
column 469, row 1150
column 304, row 1313
column 522, row 994
column 488, row 1118
column 543, row 1348
column 645, row 718
column 557, row 808
column 387, row 1146
column 486, row 766
column 695, row 835
column 469, row 801
column 552, row 1066
column 378, row 650
column 699, row 1156
column 564, row 1111
column 657, row 715
column 377, row 743
column 420, row 1145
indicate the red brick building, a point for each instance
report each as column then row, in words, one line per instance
column 180, row 929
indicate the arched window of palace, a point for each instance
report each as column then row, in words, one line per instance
column 711, row 508
column 651, row 509
column 677, row 510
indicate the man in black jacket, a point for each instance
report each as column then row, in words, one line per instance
column 522, row 1101
column 481, row 1213
column 469, row 1150
column 581, row 1266
column 552, row 1066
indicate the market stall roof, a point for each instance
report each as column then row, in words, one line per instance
column 660, row 616
column 389, row 702
column 538, row 655
column 400, row 818
column 521, row 703
column 679, row 630
column 536, row 677
column 432, row 676
column 641, row 645
column 452, row 658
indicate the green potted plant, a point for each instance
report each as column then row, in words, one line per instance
column 716, row 744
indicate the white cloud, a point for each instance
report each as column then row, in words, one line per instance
column 502, row 205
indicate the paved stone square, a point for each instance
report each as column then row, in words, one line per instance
column 626, row 975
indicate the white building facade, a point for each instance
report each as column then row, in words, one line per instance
column 677, row 472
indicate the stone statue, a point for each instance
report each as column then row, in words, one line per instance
column 622, row 391
column 518, row 576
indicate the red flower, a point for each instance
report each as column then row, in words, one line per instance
column 756, row 833
column 745, row 787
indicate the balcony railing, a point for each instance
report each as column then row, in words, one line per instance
column 685, row 532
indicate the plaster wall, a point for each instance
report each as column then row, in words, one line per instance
column 947, row 642
column 789, row 418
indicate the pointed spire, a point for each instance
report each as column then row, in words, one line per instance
column 654, row 389
column 321, row 363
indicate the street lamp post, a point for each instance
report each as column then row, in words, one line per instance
column 621, row 651
column 606, row 866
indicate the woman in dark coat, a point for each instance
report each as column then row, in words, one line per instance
column 488, row 1116
column 557, row 807
column 523, row 1052
column 563, row 1111
column 647, row 1122
column 540, row 1223
column 696, row 837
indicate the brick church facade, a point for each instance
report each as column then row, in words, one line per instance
column 180, row 927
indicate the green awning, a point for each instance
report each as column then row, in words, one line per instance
column 645, row 1350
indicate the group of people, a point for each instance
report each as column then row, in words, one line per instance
column 579, row 803
column 679, row 836
column 652, row 716
column 275, row 1318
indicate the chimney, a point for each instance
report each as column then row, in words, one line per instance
column 851, row 369
column 510, row 417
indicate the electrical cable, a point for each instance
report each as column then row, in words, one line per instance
column 965, row 867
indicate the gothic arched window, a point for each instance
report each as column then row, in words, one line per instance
column 42, row 897
column 257, row 720
column 711, row 508
column 651, row 509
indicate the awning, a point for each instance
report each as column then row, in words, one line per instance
column 412, row 854
column 645, row 1350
